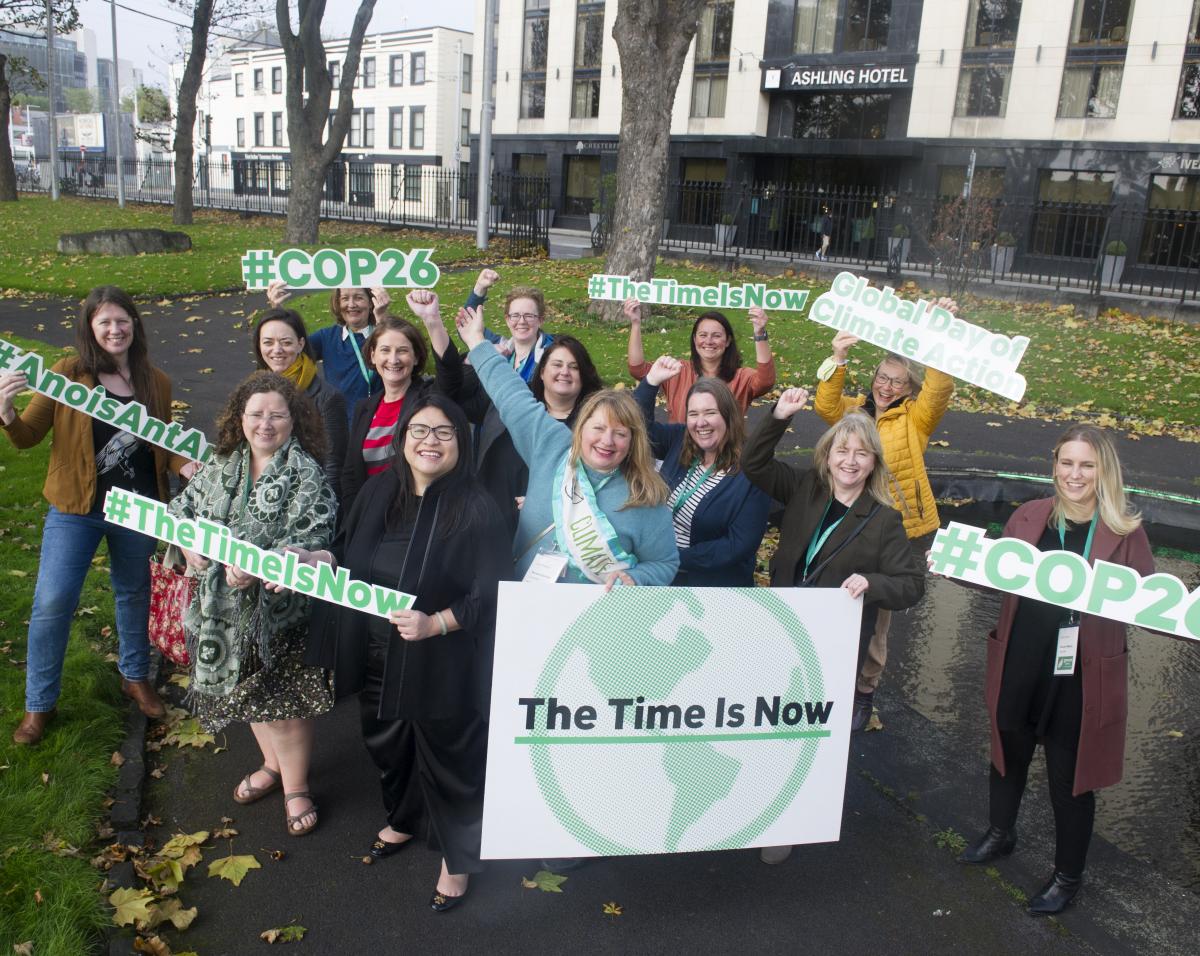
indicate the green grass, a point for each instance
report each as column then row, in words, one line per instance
column 53, row 794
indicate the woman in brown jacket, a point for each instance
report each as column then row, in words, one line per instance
column 1079, row 718
column 838, row 528
column 87, row 458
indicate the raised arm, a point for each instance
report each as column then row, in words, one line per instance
column 777, row 479
column 763, row 379
column 29, row 427
column 634, row 356
column 646, row 394
column 830, row 402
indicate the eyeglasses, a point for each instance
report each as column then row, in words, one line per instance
column 274, row 418
column 420, row 432
column 881, row 379
column 526, row 316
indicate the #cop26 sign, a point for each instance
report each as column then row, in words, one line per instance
column 659, row 720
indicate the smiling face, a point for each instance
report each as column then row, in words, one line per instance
column 1075, row 474
column 112, row 328
column 393, row 358
column 705, row 424
column 355, row 306
column 891, row 383
column 266, row 423
column 278, row 345
column 710, row 340
column 524, row 322
column 431, row 456
column 604, row 443
column 850, row 465
column 561, row 377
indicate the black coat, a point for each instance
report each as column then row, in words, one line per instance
column 331, row 406
column 441, row 676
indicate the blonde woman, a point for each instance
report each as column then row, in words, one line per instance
column 1028, row 702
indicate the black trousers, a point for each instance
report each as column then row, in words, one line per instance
column 1074, row 816
column 431, row 773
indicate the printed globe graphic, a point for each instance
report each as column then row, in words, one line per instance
column 703, row 795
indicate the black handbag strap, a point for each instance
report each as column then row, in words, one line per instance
column 816, row 572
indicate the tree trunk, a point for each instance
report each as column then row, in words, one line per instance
column 652, row 37
column 185, row 117
column 8, row 174
column 304, row 203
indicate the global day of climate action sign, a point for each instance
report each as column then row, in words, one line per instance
column 662, row 720
column 726, row 295
column 1160, row 602
column 131, row 417
column 925, row 332
column 335, row 268
column 214, row 541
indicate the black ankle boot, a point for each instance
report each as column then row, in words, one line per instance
column 994, row 843
column 1055, row 895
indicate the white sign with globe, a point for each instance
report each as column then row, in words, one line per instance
column 667, row 720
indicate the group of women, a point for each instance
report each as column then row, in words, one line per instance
column 514, row 462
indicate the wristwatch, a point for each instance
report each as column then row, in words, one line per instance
column 761, row 336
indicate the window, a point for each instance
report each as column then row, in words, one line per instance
column 416, row 127
column 354, row 137
column 464, row 133
column 241, row 132
column 368, row 72
column 276, row 129
column 467, row 62
column 708, row 95
column 368, row 127
column 700, row 195
column 417, row 61
column 581, row 184
column 260, row 129
column 1189, row 91
column 362, row 129
column 1073, row 212
column 992, row 23
column 396, row 127
column 533, row 64
column 1090, row 91
column 335, row 73
column 814, row 26
column 239, row 84
column 1104, row 22
column 867, row 23
column 276, row 79
column 1194, row 28
column 983, row 90
column 589, row 43
column 530, row 164
column 987, row 183
column 1171, row 234
column 396, row 70
column 585, row 99
column 842, row 116
column 258, row 81
column 713, row 33
column 412, row 183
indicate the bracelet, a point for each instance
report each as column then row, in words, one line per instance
column 441, row 621
column 761, row 336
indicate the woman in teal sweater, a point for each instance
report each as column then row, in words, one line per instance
column 595, row 510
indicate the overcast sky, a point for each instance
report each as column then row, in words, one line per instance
column 150, row 44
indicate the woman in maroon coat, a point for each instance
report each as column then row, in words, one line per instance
column 1078, row 718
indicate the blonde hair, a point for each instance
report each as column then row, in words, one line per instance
column 860, row 426
column 914, row 370
column 646, row 488
column 1120, row 516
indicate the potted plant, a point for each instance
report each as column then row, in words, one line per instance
column 1114, row 263
column 545, row 214
column 725, row 231
column 1004, row 250
column 899, row 240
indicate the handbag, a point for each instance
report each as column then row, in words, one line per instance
column 171, row 593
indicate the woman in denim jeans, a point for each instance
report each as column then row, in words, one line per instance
column 87, row 458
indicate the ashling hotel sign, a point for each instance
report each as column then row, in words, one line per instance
column 838, row 77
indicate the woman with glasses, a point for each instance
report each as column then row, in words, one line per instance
column 907, row 402
column 524, row 310
column 246, row 641
column 715, row 354
column 424, row 527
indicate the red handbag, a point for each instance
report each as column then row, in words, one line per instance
column 171, row 592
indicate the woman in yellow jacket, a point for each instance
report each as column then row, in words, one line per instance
column 907, row 402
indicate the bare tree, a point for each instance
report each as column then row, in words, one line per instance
column 960, row 240
column 308, row 73
column 185, row 112
column 652, row 37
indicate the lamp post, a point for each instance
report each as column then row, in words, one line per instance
column 116, row 83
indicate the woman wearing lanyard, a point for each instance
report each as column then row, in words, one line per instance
column 342, row 346
column 592, row 486
column 839, row 528
column 1057, row 678
column 719, row 517
column 524, row 310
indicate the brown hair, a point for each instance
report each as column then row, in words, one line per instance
column 1114, row 510
column 646, row 488
column 289, row 318
column 860, row 426
column 526, row 292
column 335, row 303
column 392, row 323
column 307, row 427
column 729, row 455
column 731, row 358
column 94, row 360
column 589, row 378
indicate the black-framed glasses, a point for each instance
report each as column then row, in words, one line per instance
column 419, row 432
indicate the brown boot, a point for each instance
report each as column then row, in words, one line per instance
column 33, row 727
column 145, row 696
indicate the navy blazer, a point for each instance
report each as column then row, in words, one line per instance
column 729, row 522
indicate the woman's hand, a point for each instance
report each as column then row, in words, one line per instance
column 470, row 325
column 758, row 319
column 414, row 625
column 665, row 367
column 196, row 562
column 632, row 310
column 856, row 585
column 790, row 402
column 425, row 306
column 237, row 578
column 947, row 303
column 189, row 470
column 841, row 345
column 381, row 299
column 12, row 384
column 277, row 293
column 614, row 577
column 487, row 278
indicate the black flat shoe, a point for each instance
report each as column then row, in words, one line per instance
column 994, row 843
column 441, row 903
column 1056, row 895
column 382, row 849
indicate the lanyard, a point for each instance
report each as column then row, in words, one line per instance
column 1087, row 546
column 818, row 540
column 362, row 366
column 683, row 499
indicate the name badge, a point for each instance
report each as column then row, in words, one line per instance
column 546, row 566
column 1065, row 653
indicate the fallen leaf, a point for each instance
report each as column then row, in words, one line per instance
column 234, row 868
column 1175, row 733
column 153, row 945
column 284, row 934
column 116, row 759
column 545, row 881
column 130, row 905
column 37, row 896
column 187, row 733
column 180, row 680
column 205, row 371
column 17, row 573
column 23, row 949
column 172, row 910
column 940, row 443
column 874, row 723
column 612, row 909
